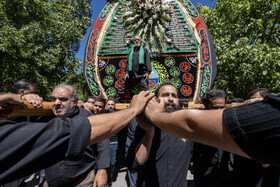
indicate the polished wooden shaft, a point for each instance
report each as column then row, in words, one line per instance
column 46, row 110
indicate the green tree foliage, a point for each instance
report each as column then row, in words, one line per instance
column 38, row 41
column 246, row 38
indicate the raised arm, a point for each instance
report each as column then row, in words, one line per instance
column 143, row 149
column 104, row 126
column 48, row 143
column 203, row 126
column 9, row 98
column 16, row 99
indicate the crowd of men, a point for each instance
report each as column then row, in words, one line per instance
column 154, row 157
column 161, row 141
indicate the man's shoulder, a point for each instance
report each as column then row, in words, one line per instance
column 146, row 50
column 80, row 112
column 272, row 97
column 174, row 138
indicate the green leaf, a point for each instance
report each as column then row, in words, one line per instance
column 246, row 39
column 38, row 41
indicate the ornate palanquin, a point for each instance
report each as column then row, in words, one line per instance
column 189, row 61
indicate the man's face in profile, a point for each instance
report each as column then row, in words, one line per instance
column 170, row 97
column 31, row 90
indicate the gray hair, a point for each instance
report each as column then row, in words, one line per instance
column 74, row 92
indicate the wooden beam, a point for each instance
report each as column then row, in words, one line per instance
column 46, row 110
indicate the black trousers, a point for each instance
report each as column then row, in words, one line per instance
column 130, row 83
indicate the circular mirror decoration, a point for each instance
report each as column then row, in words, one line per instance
column 174, row 71
column 186, row 90
column 111, row 92
column 110, row 69
column 184, row 66
column 188, row 78
column 108, row 81
column 169, row 62
column 176, row 82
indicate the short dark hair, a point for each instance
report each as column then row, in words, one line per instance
column 99, row 99
column 213, row 93
column 164, row 84
column 111, row 99
column 183, row 102
column 262, row 91
column 22, row 84
column 237, row 100
column 91, row 97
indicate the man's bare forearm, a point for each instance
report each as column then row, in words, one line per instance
column 142, row 151
column 201, row 126
column 104, row 126
column 10, row 98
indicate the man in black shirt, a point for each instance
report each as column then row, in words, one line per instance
column 251, row 130
column 159, row 158
column 211, row 166
column 214, row 167
column 78, row 171
column 138, row 68
column 110, row 107
column 23, row 87
column 138, row 63
column 28, row 147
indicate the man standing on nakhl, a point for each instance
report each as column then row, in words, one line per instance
column 138, row 67
column 78, row 171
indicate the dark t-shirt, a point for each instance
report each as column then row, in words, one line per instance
column 217, row 168
column 74, row 170
column 138, row 70
column 114, row 138
column 168, row 161
column 29, row 147
column 255, row 127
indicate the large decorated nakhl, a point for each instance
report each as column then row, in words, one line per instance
column 179, row 42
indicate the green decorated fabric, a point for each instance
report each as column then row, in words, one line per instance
column 141, row 57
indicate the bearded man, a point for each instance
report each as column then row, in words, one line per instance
column 138, row 68
column 160, row 159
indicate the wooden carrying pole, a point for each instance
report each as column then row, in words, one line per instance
column 46, row 110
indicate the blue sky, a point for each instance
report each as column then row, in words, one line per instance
column 98, row 5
